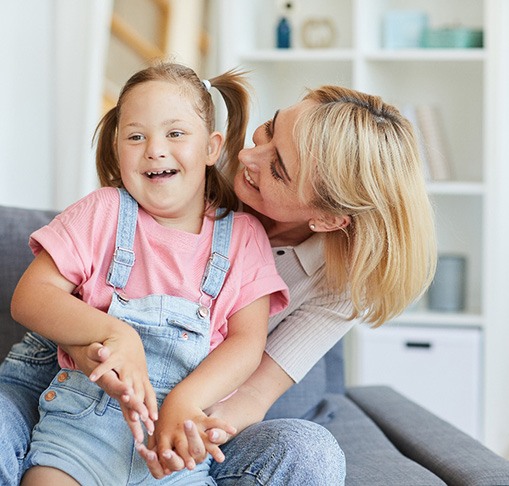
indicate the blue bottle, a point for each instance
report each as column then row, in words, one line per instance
column 284, row 33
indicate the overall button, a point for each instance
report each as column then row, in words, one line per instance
column 51, row 395
column 203, row 312
column 63, row 376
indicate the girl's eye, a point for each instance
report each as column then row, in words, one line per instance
column 175, row 134
column 274, row 172
column 136, row 137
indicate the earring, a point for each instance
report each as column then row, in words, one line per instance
column 312, row 226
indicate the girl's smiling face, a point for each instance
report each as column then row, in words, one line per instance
column 163, row 148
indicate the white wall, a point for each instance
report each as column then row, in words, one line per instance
column 52, row 54
column 26, row 98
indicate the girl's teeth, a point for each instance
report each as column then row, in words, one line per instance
column 161, row 172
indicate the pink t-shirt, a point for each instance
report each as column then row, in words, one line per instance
column 81, row 241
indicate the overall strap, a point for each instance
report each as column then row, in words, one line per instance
column 219, row 263
column 123, row 257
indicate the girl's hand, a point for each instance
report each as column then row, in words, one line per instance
column 124, row 355
column 170, row 435
column 183, row 446
column 86, row 359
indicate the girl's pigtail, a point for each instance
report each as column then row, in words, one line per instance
column 234, row 89
column 106, row 161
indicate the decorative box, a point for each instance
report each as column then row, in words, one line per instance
column 452, row 37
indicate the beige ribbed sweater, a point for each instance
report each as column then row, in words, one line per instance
column 315, row 319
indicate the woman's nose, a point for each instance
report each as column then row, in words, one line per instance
column 251, row 158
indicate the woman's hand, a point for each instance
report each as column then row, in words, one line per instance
column 216, row 435
column 171, row 436
column 178, row 445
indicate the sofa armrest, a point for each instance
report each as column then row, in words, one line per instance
column 440, row 447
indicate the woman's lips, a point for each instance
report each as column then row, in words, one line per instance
column 249, row 180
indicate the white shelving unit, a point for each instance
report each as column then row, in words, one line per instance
column 438, row 367
column 468, row 86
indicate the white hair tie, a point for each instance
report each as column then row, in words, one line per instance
column 207, row 84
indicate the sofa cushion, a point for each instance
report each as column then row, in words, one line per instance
column 16, row 225
column 371, row 459
column 457, row 458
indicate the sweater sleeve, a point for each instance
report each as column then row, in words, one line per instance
column 306, row 334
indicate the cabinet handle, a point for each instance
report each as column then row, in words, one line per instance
column 417, row 344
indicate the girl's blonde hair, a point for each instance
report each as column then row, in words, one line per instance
column 361, row 157
column 234, row 90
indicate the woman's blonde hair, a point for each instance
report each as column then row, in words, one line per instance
column 232, row 86
column 361, row 157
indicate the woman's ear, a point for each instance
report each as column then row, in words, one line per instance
column 215, row 145
column 328, row 223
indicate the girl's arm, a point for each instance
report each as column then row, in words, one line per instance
column 327, row 316
column 218, row 375
column 43, row 301
column 248, row 405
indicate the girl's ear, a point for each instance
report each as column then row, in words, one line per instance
column 328, row 223
column 215, row 145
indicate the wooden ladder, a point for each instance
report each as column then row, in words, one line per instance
column 131, row 38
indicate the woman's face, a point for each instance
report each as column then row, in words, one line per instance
column 267, row 182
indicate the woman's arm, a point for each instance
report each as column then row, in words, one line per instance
column 218, row 375
column 254, row 398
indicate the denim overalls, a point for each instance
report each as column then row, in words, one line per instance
column 82, row 430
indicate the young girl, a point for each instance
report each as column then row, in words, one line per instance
column 158, row 268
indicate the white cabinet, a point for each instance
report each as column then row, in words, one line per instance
column 469, row 87
column 439, row 368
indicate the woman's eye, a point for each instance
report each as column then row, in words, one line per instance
column 268, row 128
column 274, row 172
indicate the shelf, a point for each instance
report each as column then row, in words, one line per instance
column 297, row 55
column 456, row 188
column 448, row 55
column 432, row 319
column 293, row 55
column 467, row 86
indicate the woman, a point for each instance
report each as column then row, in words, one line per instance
column 336, row 181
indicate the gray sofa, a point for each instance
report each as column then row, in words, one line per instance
column 387, row 439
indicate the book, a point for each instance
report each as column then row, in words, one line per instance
column 434, row 144
column 409, row 112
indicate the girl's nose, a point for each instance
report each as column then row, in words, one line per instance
column 155, row 150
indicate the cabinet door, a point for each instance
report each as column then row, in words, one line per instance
column 439, row 368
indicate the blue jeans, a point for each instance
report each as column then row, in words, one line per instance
column 24, row 375
column 275, row 452
column 282, row 452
